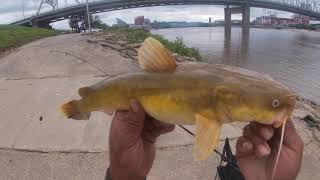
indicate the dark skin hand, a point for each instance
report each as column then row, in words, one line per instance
column 257, row 149
column 132, row 142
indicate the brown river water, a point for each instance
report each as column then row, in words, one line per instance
column 290, row 56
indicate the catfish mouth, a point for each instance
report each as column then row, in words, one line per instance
column 278, row 119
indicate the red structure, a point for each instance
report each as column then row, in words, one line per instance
column 139, row 20
column 301, row 19
column 274, row 20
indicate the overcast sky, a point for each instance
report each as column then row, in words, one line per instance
column 11, row 10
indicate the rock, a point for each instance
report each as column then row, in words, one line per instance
column 131, row 52
column 134, row 45
column 193, row 59
column 316, row 135
column 308, row 107
column 122, row 42
column 112, row 46
column 95, row 40
column 299, row 98
column 313, row 104
column 299, row 114
column 134, row 57
column 174, row 54
column 317, row 113
column 311, row 121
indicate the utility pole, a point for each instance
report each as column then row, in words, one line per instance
column 22, row 5
column 88, row 13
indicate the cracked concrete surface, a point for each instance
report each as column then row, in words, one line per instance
column 38, row 77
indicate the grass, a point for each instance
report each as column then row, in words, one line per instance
column 176, row 46
column 14, row 36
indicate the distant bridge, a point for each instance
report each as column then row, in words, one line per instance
column 309, row 8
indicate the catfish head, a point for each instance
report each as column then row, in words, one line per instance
column 256, row 99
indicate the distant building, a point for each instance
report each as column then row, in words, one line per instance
column 139, row 21
column 274, row 20
column 121, row 23
column 301, row 19
column 147, row 21
column 210, row 20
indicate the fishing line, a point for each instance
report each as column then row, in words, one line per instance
column 223, row 157
column 192, row 134
column 279, row 150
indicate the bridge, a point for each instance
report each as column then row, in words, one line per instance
column 309, row 8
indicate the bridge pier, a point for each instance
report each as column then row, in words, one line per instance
column 244, row 10
column 246, row 19
column 41, row 24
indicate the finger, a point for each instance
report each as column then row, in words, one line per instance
column 244, row 147
column 291, row 138
column 136, row 115
column 130, row 121
column 161, row 124
column 151, row 135
column 120, row 114
column 157, row 127
column 264, row 131
column 261, row 147
column 163, row 130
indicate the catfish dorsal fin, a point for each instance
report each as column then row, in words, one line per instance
column 154, row 57
column 84, row 91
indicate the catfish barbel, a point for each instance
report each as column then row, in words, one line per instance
column 205, row 97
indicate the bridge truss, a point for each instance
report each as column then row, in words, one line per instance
column 59, row 12
column 310, row 5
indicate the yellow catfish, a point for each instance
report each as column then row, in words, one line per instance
column 207, row 97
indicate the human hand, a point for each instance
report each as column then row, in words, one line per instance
column 257, row 149
column 132, row 142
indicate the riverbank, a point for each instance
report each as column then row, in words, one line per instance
column 14, row 36
column 127, row 43
column 136, row 37
column 35, row 139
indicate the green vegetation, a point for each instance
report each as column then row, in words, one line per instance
column 176, row 46
column 14, row 36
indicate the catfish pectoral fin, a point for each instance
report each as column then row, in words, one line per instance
column 207, row 136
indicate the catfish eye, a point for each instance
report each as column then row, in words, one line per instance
column 275, row 103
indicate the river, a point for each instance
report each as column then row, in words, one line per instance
column 292, row 57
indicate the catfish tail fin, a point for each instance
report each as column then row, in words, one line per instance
column 72, row 109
